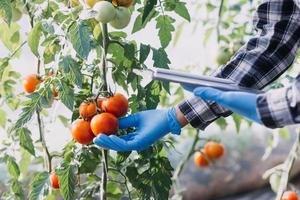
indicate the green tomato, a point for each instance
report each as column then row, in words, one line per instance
column 106, row 12
column 122, row 18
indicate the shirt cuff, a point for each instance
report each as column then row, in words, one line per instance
column 274, row 108
column 200, row 113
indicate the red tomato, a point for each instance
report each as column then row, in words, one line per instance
column 214, row 150
column 289, row 195
column 116, row 105
column 87, row 109
column 54, row 181
column 30, row 82
column 81, row 132
column 104, row 123
column 200, row 160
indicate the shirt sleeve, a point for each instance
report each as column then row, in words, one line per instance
column 259, row 62
column 281, row 107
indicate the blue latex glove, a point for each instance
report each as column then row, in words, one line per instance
column 242, row 103
column 150, row 126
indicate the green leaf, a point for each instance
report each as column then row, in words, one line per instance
column 67, row 181
column 2, row 118
column 160, row 58
column 237, row 121
column 6, row 11
column 149, row 6
column 165, row 26
column 80, row 38
column 182, row 11
column 13, row 168
column 17, row 189
column 65, row 121
column 37, row 185
column 89, row 159
column 144, row 52
column 26, row 115
column 34, row 38
column 284, row 133
column 221, row 122
column 72, row 68
column 66, row 95
column 25, row 162
column 25, row 140
column 8, row 36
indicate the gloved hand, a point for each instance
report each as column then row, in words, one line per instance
column 150, row 126
column 242, row 103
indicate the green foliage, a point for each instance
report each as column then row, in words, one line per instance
column 6, row 11
column 34, row 38
column 37, row 185
column 25, row 140
column 67, row 180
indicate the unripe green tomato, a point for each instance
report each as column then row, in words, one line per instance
column 106, row 12
column 122, row 18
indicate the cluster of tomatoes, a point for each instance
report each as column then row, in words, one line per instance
column 116, row 13
column 212, row 151
column 96, row 116
column 99, row 117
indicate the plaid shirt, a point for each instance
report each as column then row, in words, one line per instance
column 260, row 61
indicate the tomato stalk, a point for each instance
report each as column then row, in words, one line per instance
column 104, row 88
column 220, row 18
column 48, row 162
column 181, row 165
column 287, row 167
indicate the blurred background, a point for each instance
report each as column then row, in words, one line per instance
column 217, row 30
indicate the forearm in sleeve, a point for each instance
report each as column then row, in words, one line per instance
column 259, row 62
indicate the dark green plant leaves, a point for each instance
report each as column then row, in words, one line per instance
column 88, row 159
column 156, row 187
column 6, row 11
column 37, row 185
column 66, row 95
column 165, row 26
column 25, row 140
column 72, row 70
column 67, row 181
column 149, row 6
column 160, row 58
column 34, row 38
column 79, row 35
column 144, row 52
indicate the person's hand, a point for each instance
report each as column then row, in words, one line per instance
column 150, row 126
column 242, row 103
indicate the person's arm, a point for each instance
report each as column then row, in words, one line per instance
column 260, row 61
column 281, row 107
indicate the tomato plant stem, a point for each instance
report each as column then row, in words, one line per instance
column 181, row 165
column 42, row 138
column 287, row 167
column 104, row 175
column 39, row 118
column 219, row 18
column 106, row 89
